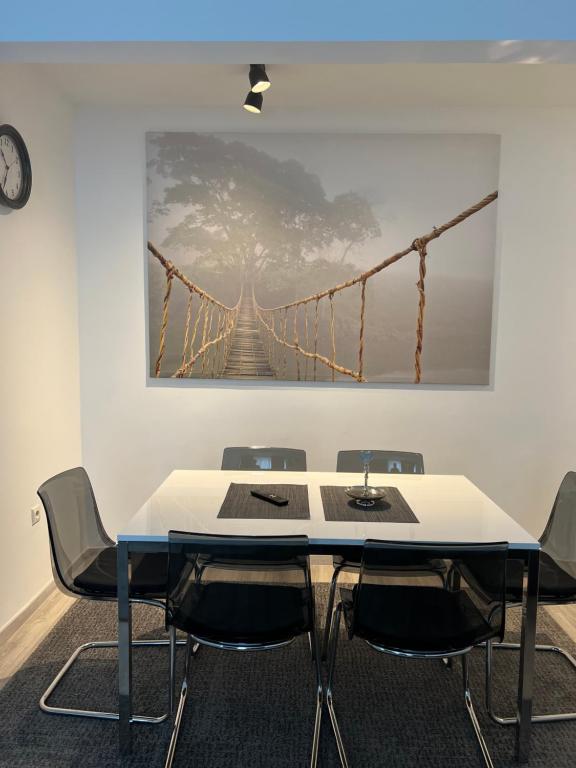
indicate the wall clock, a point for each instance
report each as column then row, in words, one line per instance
column 15, row 169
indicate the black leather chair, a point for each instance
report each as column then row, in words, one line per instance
column 387, row 462
column 215, row 607
column 83, row 560
column 557, row 584
column 412, row 621
column 261, row 458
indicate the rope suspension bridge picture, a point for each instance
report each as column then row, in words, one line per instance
column 215, row 314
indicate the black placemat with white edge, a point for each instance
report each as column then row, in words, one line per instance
column 239, row 503
column 339, row 507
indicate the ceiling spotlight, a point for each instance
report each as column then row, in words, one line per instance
column 254, row 102
column 259, row 80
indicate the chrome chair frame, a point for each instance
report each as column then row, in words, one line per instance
column 453, row 577
column 547, row 600
column 193, row 645
column 101, row 715
column 195, row 642
column 69, row 590
column 334, row 633
column 491, row 645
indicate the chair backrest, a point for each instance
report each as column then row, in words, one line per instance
column 259, row 457
column 387, row 462
column 74, row 525
column 236, row 589
column 382, row 560
column 559, row 537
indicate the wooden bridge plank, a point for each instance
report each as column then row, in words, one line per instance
column 247, row 357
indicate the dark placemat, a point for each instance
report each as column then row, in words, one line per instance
column 239, row 503
column 339, row 507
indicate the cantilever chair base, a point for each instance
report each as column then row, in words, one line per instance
column 552, row 718
column 240, row 617
column 85, row 566
column 99, row 715
column 412, row 621
column 335, row 629
column 193, row 645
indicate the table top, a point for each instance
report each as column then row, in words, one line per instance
column 449, row 508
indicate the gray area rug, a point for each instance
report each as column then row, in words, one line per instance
column 257, row 709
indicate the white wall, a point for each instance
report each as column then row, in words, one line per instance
column 39, row 387
column 514, row 440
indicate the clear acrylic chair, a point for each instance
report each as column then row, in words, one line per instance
column 83, row 559
column 409, row 620
column 557, row 585
column 262, row 458
column 233, row 611
column 387, row 462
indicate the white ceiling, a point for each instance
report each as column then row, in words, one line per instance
column 308, row 75
column 317, row 85
column 463, row 51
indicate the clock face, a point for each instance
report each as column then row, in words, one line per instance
column 10, row 169
column 15, row 169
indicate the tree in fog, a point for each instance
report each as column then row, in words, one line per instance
column 240, row 210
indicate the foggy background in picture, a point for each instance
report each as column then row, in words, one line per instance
column 262, row 248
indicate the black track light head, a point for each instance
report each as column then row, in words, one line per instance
column 259, row 80
column 254, row 102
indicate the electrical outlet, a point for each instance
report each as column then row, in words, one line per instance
column 35, row 514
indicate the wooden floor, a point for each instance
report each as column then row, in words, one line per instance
column 30, row 634
column 26, row 639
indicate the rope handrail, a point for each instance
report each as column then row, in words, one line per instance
column 217, row 357
column 425, row 239
column 311, row 355
column 225, row 323
column 169, row 267
column 186, row 368
column 266, row 315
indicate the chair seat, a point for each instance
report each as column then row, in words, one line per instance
column 221, row 561
column 555, row 585
column 224, row 612
column 417, row 566
column 149, row 575
column 413, row 619
column 555, row 582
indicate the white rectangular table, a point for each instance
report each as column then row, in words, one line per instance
column 449, row 508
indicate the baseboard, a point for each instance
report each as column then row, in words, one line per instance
column 24, row 614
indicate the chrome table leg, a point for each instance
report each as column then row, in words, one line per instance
column 172, row 676
column 527, row 653
column 124, row 648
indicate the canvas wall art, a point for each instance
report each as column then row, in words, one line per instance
column 321, row 257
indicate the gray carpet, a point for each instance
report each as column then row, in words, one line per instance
column 257, row 709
